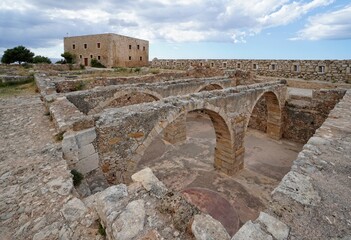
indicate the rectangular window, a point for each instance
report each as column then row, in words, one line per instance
column 85, row 45
column 99, row 57
column 144, row 48
column 225, row 65
column 296, row 68
column 91, row 56
column 321, row 69
column 130, row 58
column 98, row 45
column 141, row 58
column 138, row 47
column 74, row 46
column 80, row 56
column 212, row 64
column 238, row 65
column 255, row 66
column 201, row 64
column 130, row 46
column 273, row 67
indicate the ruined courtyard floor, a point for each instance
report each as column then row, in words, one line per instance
column 188, row 167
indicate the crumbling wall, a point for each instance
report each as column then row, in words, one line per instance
column 302, row 118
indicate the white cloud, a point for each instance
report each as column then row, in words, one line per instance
column 40, row 23
column 332, row 25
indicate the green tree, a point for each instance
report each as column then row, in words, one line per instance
column 69, row 57
column 41, row 59
column 18, row 54
column 95, row 63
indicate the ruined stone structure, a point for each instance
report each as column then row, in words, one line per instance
column 110, row 49
column 323, row 70
column 108, row 129
column 120, row 146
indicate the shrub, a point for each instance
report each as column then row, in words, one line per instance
column 121, row 69
column 77, row 177
column 41, row 59
column 69, row 57
column 82, row 66
column 155, row 71
column 95, row 63
column 78, row 86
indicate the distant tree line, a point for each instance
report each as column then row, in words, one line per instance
column 21, row 54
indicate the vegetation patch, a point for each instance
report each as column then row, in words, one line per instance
column 102, row 230
column 95, row 63
column 77, row 177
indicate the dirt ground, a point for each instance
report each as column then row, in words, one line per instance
column 188, row 168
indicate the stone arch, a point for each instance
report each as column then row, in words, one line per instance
column 274, row 114
column 224, row 158
column 144, row 94
column 210, row 87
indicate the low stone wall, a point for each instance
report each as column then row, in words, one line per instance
column 323, row 70
column 9, row 80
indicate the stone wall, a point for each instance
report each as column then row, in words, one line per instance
column 323, row 70
column 95, row 100
column 302, row 115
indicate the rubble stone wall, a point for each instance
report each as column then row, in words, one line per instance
column 323, row 70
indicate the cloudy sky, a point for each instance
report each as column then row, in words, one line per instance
column 260, row 29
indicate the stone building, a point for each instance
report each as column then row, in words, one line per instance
column 112, row 50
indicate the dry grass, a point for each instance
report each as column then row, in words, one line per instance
column 18, row 90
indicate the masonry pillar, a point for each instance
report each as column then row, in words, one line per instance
column 274, row 118
column 175, row 132
column 225, row 150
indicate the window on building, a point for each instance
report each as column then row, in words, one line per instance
column 74, row 46
column 166, row 63
column 321, row 69
column 99, row 57
column 130, row 46
column 144, row 48
column 80, row 56
column 98, row 45
column 130, row 58
column 141, row 58
column 225, row 65
column 273, row 67
column 201, row 64
column 255, row 66
column 212, row 64
column 296, row 68
column 138, row 47
column 85, row 45
column 91, row 56
column 238, row 65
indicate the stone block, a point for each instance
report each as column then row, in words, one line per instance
column 70, row 148
column 88, row 164
column 251, row 231
column 205, row 227
column 86, row 151
column 85, row 137
column 278, row 229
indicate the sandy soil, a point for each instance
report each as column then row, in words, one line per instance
column 188, row 167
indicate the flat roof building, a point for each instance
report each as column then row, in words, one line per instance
column 112, row 50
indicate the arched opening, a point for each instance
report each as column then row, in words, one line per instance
column 211, row 87
column 191, row 166
column 131, row 99
column 265, row 152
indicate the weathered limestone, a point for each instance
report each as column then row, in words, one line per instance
column 150, row 182
column 204, row 227
column 124, row 134
column 79, row 151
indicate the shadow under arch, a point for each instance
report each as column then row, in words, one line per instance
column 210, row 87
column 224, row 154
column 270, row 119
column 126, row 98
